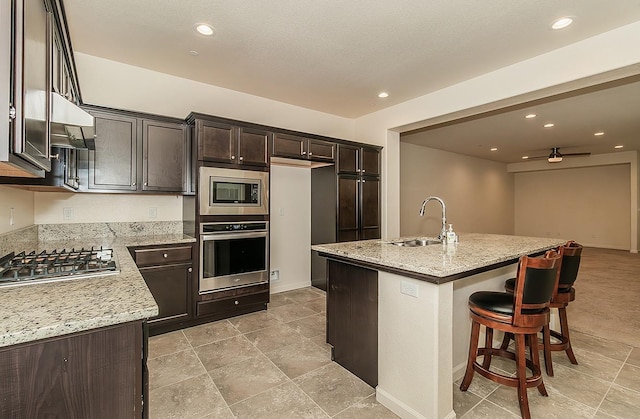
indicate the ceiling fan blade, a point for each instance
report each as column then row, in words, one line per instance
column 575, row 154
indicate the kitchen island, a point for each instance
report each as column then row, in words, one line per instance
column 415, row 298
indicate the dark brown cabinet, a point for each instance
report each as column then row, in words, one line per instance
column 296, row 147
column 63, row 175
column 168, row 272
column 135, row 153
column 358, row 193
column 94, row 374
column 226, row 143
column 352, row 318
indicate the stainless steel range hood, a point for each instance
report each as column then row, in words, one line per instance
column 71, row 126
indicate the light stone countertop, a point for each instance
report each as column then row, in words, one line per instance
column 39, row 311
column 438, row 263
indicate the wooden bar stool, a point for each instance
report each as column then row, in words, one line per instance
column 522, row 314
column 561, row 298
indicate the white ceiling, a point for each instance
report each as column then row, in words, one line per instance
column 335, row 56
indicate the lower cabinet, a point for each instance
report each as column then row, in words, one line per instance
column 168, row 272
column 233, row 302
column 352, row 318
column 94, row 374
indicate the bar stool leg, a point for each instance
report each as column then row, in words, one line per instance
column 535, row 358
column 523, row 400
column 564, row 329
column 546, row 339
column 473, row 353
column 488, row 344
column 505, row 340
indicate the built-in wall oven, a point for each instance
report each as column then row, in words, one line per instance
column 233, row 191
column 233, row 254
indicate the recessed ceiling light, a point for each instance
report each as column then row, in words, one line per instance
column 494, row 149
column 561, row 23
column 204, row 29
column 525, row 157
column 531, row 115
column 383, row 94
column 598, row 134
column 548, row 125
column 618, row 146
column 193, row 52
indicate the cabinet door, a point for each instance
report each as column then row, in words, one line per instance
column 321, row 150
column 164, row 150
column 348, row 208
column 252, row 147
column 216, row 141
column 348, row 159
column 112, row 165
column 170, row 286
column 370, row 165
column 70, row 159
column 292, row 146
column 370, row 209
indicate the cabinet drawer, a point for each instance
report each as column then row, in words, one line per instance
column 162, row 255
column 230, row 304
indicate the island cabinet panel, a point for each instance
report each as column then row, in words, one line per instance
column 352, row 319
column 96, row 374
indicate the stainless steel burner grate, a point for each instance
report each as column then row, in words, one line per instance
column 46, row 266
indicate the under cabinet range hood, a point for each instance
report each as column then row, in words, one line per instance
column 70, row 125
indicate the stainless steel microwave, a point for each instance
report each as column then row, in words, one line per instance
column 233, row 192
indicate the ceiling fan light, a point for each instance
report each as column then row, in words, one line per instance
column 554, row 159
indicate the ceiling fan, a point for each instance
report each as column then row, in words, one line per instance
column 556, row 156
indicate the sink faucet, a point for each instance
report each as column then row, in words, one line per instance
column 443, row 230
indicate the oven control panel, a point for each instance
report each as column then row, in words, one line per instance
column 232, row 227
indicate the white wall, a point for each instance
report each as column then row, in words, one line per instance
column 478, row 193
column 290, row 239
column 21, row 202
column 589, row 205
column 96, row 208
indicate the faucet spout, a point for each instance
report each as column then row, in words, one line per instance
column 443, row 230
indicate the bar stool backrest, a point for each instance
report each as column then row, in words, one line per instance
column 536, row 283
column 570, row 265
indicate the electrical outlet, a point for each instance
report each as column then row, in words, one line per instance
column 407, row 288
column 153, row 213
column 275, row 275
column 67, row 213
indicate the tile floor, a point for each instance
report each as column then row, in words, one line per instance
column 276, row 364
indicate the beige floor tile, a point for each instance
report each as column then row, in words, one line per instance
column 254, row 321
column 591, row 363
column 577, row 386
column 321, row 341
column 245, row 379
column 463, row 401
column 368, row 408
column 299, row 358
column 333, row 388
column 283, row 401
column 629, row 377
column 319, row 305
column 291, row 312
column 634, row 357
column 279, row 300
column 303, row 295
column 192, row 398
column 226, row 352
column 488, row 410
column 274, row 337
column 554, row 406
column 608, row 348
column 310, row 326
column 601, row 415
column 621, row 403
column 479, row 386
column 170, row 369
column 167, row 343
column 210, row 332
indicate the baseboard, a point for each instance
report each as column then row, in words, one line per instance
column 277, row 286
column 401, row 409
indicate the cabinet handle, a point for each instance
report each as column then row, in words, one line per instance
column 133, row 184
column 164, row 255
column 362, row 170
column 304, row 153
column 241, row 158
column 236, row 302
column 190, row 270
column 233, row 157
column 310, row 153
column 145, row 184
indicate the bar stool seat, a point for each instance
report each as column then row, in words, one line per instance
column 523, row 314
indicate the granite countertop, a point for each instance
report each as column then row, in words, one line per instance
column 39, row 311
column 439, row 263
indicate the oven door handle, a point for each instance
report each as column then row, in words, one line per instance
column 232, row 236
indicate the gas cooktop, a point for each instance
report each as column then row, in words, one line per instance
column 31, row 268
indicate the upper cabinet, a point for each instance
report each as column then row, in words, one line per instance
column 137, row 153
column 297, row 147
column 222, row 142
column 364, row 161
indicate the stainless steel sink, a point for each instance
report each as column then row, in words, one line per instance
column 416, row 243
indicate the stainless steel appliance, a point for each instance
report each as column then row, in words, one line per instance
column 233, row 255
column 233, row 192
column 31, row 268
